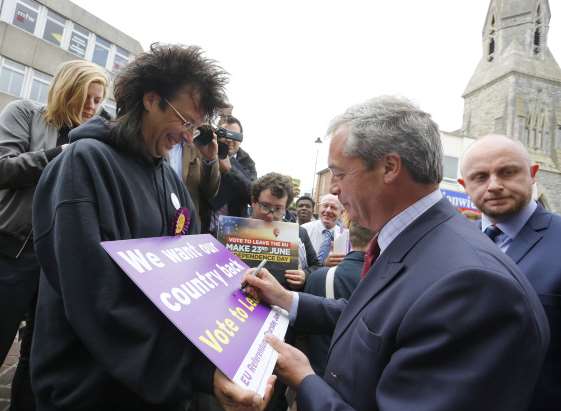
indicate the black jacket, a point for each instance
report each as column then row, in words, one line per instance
column 99, row 343
column 235, row 186
column 311, row 256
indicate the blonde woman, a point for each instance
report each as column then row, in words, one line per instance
column 32, row 135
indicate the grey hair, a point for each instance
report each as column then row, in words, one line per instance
column 330, row 196
column 389, row 124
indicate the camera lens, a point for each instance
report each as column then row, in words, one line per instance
column 204, row 136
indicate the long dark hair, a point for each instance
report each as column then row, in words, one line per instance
column 165, row 69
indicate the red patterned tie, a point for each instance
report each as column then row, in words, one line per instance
column 370, row 256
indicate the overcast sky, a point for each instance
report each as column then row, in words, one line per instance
column 294, row 65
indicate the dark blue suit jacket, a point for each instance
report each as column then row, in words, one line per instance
column 537, row 251
column 347, row 277
column 443, row 321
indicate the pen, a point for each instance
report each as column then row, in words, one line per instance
column 257, row 269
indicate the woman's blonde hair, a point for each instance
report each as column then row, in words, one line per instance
column 69, row 91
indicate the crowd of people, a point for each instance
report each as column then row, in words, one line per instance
column 399, row 302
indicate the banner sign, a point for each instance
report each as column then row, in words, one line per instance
column 459, row 200
column 195, row 282
column 254, row 240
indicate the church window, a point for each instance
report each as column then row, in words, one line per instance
column 537, row 40
column 538, row 31
column 491, row 43
column 491, row 49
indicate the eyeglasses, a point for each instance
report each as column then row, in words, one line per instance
column 187, row 125
column 269, row 209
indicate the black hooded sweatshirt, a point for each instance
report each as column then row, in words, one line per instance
column 99, row 343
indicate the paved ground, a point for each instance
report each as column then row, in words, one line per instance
column 6, row 374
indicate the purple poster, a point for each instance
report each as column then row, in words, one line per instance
column 195, row 282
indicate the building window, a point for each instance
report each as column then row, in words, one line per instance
column 40, row 86
column 121, row 59
column 451, row 168
column 11, row 77
column 25, row 16
column 101, row 51
column 54, row 28
column 79, row 41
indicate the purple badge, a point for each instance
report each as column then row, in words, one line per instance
column 181, row 221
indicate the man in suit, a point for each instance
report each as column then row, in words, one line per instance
column 498, row 175
column 442, row 320
column 336, row 282
column 325, row 230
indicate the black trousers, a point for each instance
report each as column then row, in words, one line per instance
column 19, row 278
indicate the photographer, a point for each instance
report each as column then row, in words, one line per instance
column 196, row 164
column 237, row 172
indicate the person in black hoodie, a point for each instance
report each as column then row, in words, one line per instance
column 99, row 342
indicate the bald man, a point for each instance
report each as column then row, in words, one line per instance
column 498, row 176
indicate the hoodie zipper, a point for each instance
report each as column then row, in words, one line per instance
column 25, row 243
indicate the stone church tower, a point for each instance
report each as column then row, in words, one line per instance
column 516, row 88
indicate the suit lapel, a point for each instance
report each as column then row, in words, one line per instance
column 390, row 264
column 530, row 234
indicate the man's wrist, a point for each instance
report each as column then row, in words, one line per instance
column 210, row 162
column 287, row 299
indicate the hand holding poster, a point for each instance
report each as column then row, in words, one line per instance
column 195, row 282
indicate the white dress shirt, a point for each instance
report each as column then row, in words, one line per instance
column 315, row 232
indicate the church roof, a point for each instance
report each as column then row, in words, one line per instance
column 514, row 60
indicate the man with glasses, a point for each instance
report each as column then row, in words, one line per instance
column 99, row 342
column 197, row 166
column 270, row 196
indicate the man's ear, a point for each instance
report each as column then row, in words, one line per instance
column 392, row 167
column 461, row 182
column 533, row 171
column 151, row 100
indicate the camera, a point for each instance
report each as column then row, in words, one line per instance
column 221, row 132
column 204, row 135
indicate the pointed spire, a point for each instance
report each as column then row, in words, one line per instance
column 515, row 40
